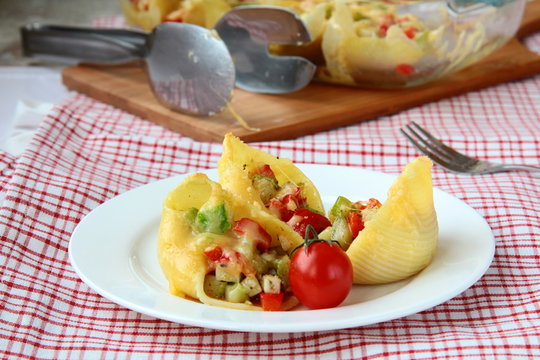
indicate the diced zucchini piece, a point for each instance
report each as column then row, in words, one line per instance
column 228, row 271
column 252, row 285
column 214, row 287
column 266, row 187
column 341, row 231
column 260, row 265
column 236, row 293
column 213, row 219
column 326, row 234
column 269, row 256
column 271, row 284
column 342, row 205
column 282, row 269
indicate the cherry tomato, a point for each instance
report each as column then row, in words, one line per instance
column 271, row 301
column 320, row 274
column 254, row 231
column 303, row 217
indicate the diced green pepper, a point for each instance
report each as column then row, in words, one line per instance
column 341, row 206
column 214, row 219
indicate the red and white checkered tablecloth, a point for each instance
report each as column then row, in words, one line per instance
column 86, row 152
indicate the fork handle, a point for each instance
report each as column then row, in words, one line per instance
column 510, row 167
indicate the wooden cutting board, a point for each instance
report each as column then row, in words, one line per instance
column 315, row 108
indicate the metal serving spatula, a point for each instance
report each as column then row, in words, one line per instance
column 189, row 67
column 248, row 30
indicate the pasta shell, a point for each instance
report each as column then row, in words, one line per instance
column 239, row 159
column 401, row 238
column 181, row 250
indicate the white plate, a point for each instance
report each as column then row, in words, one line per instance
column 113, row 250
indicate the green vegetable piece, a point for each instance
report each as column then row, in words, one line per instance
column 228, row 271
column 260, row 264
column 282, row 269
column 190, row 215
column 357, row 16
column 213, row 219
column 213, row 287
column 422, row 39
column 266, row 187
column 341, row 206
column 328, row 12
column 252, row 285
column 236, row 293
column 341, row 231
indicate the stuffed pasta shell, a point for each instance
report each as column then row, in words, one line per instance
column 216, row 248
column 396, row 239
column 272, row 184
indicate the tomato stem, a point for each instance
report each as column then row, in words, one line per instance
column 310, row 230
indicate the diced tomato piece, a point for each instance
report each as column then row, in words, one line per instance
column 389, row 19
column 280, row 210
column 355, row 223
column 403, row 19
column 291, row 202
column 284, row 207
column 253, row 230
column 214, row 253
column 410, row 32
column 383, row 28
column 373, row 203
column 264, row 170
column 271, row 302
column 245, row 264
column 405, row 69
column 369, row 204
column 294, row 199
column 303, row 217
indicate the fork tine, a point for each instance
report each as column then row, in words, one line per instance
column 450, row 152
column 433, row 156
column 433, row 148
column 425, row 151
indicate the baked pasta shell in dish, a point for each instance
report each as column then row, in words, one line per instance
column 147, row 13
column 200, row 217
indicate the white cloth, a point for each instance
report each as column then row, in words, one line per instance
column 28, row 115
column 26, row 95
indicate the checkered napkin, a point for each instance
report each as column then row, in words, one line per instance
column 85, row 153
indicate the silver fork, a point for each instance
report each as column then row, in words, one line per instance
column 451, row 159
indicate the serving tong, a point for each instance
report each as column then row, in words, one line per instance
column 190, row 69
